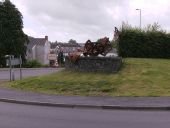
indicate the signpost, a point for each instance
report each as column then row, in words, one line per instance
column 11, row 62
column 52, row 56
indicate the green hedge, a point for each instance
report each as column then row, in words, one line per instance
column 32, row 64
column 134, row 42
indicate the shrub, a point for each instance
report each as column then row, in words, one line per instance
column 45, row 66
column 32, row 64
column 152, row 42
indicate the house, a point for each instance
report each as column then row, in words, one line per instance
column 38, row 49
column 66, row 48
column 112, row 53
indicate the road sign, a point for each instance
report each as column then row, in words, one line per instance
column 14, row 61
column 11, row 62
column 52, row 56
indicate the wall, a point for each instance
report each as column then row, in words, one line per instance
column 30, row 53
column 34, row 52
column 46, row 52
column 95, row 64
column 40, row 54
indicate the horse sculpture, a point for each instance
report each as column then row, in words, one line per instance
column 102, row 46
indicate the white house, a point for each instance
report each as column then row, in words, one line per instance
column 38, row 49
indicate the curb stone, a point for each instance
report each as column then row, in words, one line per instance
column 85, row 106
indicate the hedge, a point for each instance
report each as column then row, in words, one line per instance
column 143, row 44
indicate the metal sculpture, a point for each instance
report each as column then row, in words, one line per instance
column 102, row 46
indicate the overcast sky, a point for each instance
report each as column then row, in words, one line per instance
column 62, row 20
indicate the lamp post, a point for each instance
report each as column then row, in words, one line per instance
column 140, row 11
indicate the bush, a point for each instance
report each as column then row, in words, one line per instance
column 45, row 65
column 150, row 43
column 32, row 64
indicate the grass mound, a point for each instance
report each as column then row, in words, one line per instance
column 138, row 77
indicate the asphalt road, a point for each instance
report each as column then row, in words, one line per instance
column 27, row 116
column 5, row 74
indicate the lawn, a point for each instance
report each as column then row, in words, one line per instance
column 138, row 77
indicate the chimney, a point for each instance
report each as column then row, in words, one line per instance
column 46, row 38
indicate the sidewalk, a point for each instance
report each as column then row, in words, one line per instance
column 126, row 103
column 26, row 72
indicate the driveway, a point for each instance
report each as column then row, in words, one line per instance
column 27, row 72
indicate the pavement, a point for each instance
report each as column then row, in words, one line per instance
column 26, row 72
column 115, row 103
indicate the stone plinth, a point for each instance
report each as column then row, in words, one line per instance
column 95, row 64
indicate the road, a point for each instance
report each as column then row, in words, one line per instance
column 5, row 74
column 27, row 116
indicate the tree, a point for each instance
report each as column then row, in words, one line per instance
column 155, row 27
column 60, row 58
column 12, row 38
column 71, row 41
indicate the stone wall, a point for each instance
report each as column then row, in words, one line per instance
column 95, row 64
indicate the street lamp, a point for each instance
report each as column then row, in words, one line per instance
column 140, row 11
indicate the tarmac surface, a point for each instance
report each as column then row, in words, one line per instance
column 121, row 103
column 31, row 116
column 26, row 72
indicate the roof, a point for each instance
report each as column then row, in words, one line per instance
column 81, row 44
column 54, row 45
column 36, row 41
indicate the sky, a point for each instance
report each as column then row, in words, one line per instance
column 62, row 20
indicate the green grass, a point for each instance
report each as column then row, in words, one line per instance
column 138, row 77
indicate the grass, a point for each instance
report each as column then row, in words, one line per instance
column 138, row 77
column 3, row 83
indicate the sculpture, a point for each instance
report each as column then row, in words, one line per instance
column 102, row 46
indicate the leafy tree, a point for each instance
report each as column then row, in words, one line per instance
column 12, row 38
column 155, row 27
column 114, row 43
column 71, row 41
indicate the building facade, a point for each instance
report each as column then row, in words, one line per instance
column 38, row 49
column 66, row 48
